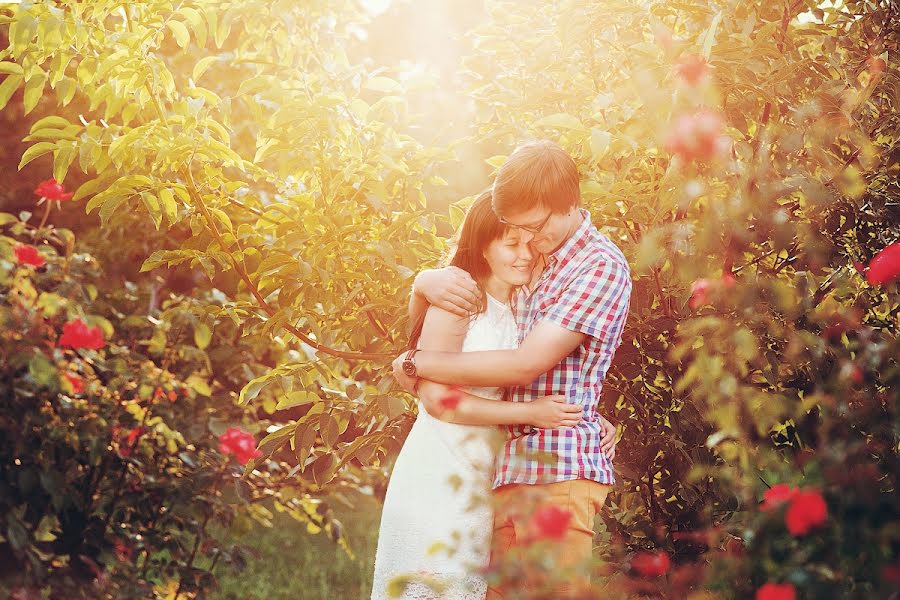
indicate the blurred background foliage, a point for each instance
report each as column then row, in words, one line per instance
column 268, row 178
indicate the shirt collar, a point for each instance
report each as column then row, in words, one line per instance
column 576, row 241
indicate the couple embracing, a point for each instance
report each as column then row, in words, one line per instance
column 515, row 336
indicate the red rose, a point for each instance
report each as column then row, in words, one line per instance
column 123, row 552
column 777, row 495
column 776, row 591
column 891, row 573
column 76, row 334
column 450, row 401
column 28, row 255
column 52, row 190
column 700, row 293
column 240, row 443
column 550, row 522
column 885, row 267
column 697, row 136
column 130, row 440
column 692, row 68
column 75, row 381
column 806, row 511
column 701, row 289
column 172, row 395
column 651, row 564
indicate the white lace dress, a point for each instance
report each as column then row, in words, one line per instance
column 436, row 525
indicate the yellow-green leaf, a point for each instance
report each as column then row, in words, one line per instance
column 496, row 161
column 169, row 206
column 65, row 90
column 202, row 65
column 202, row 335
column 109, row 207
column 198, row 25
column 88, row 187
column 8, row 88
column 710, row 35
column 51, row 122
column 151, row 202
column 182, row 37
column 34, row 88
column 11, row 68
column 599, row 143
column 62, row 159
column 199, row 385
column 39, row 149
column 292, row 399
column 382, row 84
column 560, row 121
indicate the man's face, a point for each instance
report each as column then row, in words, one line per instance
column 543, row 229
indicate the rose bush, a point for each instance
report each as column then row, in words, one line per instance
column 116, row 448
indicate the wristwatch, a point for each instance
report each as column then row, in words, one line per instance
column 409, row 365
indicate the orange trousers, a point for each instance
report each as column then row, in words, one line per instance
column 512, row 552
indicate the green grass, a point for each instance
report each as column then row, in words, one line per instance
column 294, row 564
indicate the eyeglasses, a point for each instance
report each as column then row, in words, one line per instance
column 529, row 228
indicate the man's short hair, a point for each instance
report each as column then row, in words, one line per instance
column 537, row 173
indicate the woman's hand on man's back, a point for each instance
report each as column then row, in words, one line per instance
column 550, row 412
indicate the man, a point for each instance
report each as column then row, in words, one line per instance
column 570, row 321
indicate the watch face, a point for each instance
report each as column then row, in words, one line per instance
column 409, row 367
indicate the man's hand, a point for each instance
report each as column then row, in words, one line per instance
column 450, row 288
column 608, row 441
column 405, row 381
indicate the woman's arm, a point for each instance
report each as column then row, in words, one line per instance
column 457, row 406
column 443, row 331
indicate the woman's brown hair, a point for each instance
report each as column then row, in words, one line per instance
column 480, row 227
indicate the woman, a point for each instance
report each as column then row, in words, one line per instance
column 435, row 530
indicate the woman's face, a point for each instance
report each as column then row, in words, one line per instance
column 510, row 258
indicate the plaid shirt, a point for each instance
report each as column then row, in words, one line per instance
column 585, row 287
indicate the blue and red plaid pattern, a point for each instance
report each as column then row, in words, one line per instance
column 585, row 287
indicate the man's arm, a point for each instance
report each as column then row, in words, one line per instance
column 594, row 304
column 450, row 289
column 444, row 332
column 545, row 347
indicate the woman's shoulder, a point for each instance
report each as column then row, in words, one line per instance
column 446, row 320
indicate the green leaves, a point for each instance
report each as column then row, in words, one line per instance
column 385, row 85
column 120, row 191
column 202, row 65
column 202, row 335
column 169, row 258
column 709, row 37
column 561, row 121
column 151, row 203
column 9, row 86
column 180, row 32
column 36, row 151
column 34, row 89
